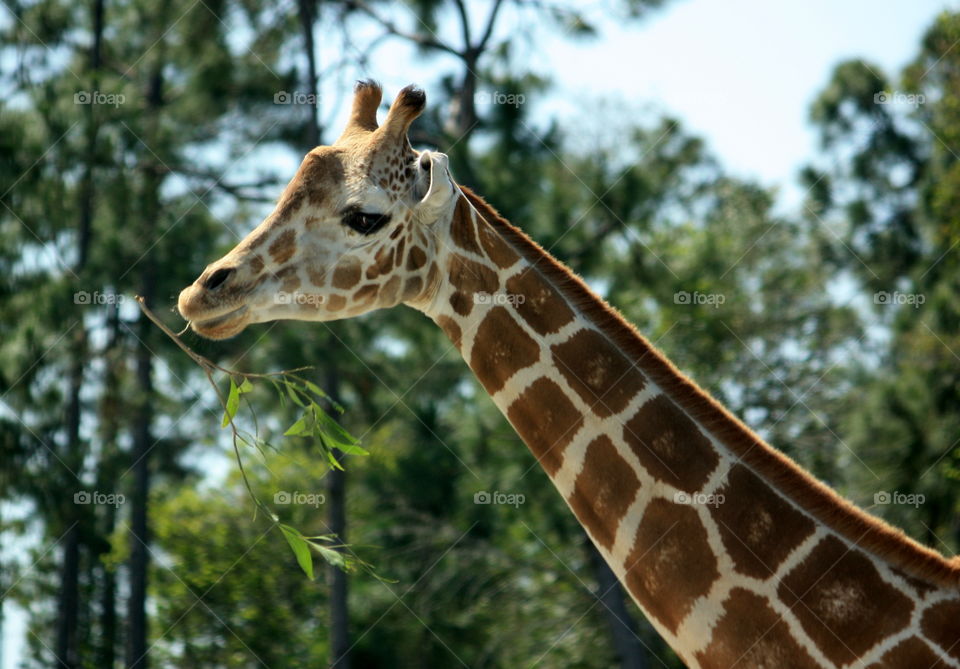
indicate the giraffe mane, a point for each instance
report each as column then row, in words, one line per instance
column 809, row 494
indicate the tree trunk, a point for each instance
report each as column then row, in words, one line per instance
column 306, row 8
column 106, row 651
column 623, row 629
column 142, row 440
column 68, row 600
column 337, row 520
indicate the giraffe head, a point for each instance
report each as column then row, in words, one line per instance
column 350, row 233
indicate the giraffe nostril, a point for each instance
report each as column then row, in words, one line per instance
column 425, row 162
column 217, row 279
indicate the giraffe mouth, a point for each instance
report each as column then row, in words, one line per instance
column 222, row 326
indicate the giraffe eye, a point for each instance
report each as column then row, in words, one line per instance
column 365, row 223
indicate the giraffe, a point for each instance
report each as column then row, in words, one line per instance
column 736, row 555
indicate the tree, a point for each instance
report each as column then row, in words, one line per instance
column 890, row 201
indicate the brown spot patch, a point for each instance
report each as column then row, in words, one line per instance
column 912, row 652
column 941, row 624
column 346, row 274
column 383, row 262
column 462, row 229
column 542, row 307
column 366, row 294
column 603, row 491
column 256, row 265
column 390, row 294
column 671, row 564
column 289, row 206
column 834, row 592
column 461, row 303
column 450, row 328
column 546, row 420
column 471, row 277
column 321, row 171
column 495, row 246
column 283, row 247
column 317, row 277
column 598, row 372
column 335, row 302
column 416, row 259
column 751, row 634
column 433, row 276
column 257, row 238
column 759, row 528
column 501, row 348
column 412, row 288
column 669, row 445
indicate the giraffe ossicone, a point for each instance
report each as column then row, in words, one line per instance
column 737, row 556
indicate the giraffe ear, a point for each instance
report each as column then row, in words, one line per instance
column 366, row 100
column 409, row 105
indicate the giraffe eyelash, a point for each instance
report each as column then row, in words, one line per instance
column 365, row 223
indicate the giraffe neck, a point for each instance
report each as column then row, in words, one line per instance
column 734, row 553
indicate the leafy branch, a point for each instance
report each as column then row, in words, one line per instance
column 314, row 422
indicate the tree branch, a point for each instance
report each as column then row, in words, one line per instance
column 391, row 28
column 488, row 30
column 464, row 24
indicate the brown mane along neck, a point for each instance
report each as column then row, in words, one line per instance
column 782, row 473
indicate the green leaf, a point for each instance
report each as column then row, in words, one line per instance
column 300, row 548
column 245, row 387
column 315, row 389
column 233, row 403
column 293, row 394
column 336, row 435
column 330, row 457
column 335, row 558
column 302, row 425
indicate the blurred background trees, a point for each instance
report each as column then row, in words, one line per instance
column 140, row 141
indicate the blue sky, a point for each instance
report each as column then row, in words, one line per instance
column 740, row 73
